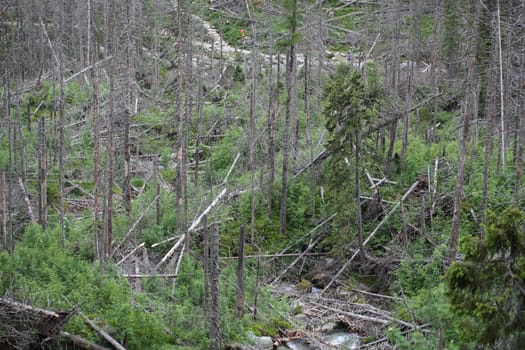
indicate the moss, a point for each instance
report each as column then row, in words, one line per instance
column 304, row 286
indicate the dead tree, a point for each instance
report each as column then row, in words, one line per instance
column 215, row 330
column 23, row 326
column 240, row 275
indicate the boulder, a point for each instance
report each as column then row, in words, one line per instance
column 260, row 343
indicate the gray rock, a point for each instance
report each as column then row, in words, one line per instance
column 261, row 343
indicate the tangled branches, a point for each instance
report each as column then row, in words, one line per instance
column 24, row 327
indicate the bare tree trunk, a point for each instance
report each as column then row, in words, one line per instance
column 239, row 302
column 61, row 159
column 395, row 83
column 206, row 261
column 271, row 126
column 7, row 109
column 96, row 142
column 502, row 92
column 157, row 187
column 252, row 133
column 521, row 126
column 468, row 112
column 358, row 191
column 308, row 112
column 62, row 115
column 179, row 114
column 127, row 112
column 22, row 171
column 200, row 105
column 390, row 152
column 215, row 331
column 290, row 84
column 110, row 149
column 42, row 171
column 3, row 211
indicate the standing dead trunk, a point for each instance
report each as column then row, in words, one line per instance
column 206, row 261
column 108, row 213
column 200, row 106
column 3, row 212
column 468, row 112
column 61, row 157
column 179, row 117
column 290, row 88
column 308, row 112
column 128, row 109
column 239, row 302
column 42, row 170
column 501, row 90
column 96, row 144
column 390, row 152
column 215, row 331
column 358, row 190
column 271, row 125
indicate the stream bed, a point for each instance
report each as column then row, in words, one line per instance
column 324, row 333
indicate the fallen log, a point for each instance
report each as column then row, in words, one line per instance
column 25, row 326
column 82, row 343
column 372, row 234
column 102, row 333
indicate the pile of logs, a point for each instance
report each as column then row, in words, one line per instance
column 25, row 327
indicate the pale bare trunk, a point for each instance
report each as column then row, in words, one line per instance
column 239, row 302
column 468, row 113
column 215, row 331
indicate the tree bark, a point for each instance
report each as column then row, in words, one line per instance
column 42, row 173
column 96, row 142
column 110, row 149
column 467, row 115
column 206, row 261
column 215, row 331
column 128, row 108
column 501, row 89
column 290, row 84
column 271, row 126
column 3, row 211
column 239, row 302
column 179, row 115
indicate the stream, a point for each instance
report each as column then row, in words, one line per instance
column 321, row 332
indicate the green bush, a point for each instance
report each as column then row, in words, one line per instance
column 40, row 271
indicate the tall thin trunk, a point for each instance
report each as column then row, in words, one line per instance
column 308, row 112
column 3, row 185
column 7, row 102
column 390, row 152
column 252, row 134
column 96, row 145
column 215, row 330
column 61, row 158
column 128, row 109
column 521, row 127
column 270, row 128
column 358, row 191
column 200, row 105
column 501, row 91
column 290, row 84
column 468, row 113
column 179, row 115
column 110, row 148
column 186, row 122
column 3, row 211
column 62, row 115
column 42, row 173
column 239, row 301
column 206, row 261
column 22, row 171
